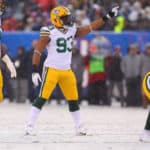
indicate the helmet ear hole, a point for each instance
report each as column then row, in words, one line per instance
column 55, row 20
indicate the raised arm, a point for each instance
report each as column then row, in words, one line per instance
column 81, row 31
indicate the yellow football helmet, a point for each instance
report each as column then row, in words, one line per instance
column 61, row 16
column 146, row 85
column 2, row 6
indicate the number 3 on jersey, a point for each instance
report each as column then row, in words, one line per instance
column 64, row 44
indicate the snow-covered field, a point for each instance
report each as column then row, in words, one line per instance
column 113, row 128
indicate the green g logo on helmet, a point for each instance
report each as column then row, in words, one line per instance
column 146, row 85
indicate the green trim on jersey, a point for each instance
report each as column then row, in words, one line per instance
column 45, row 31
column 43, row 82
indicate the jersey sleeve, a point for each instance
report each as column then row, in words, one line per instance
column 74, row 29
column 2, row 50
column 44, row 31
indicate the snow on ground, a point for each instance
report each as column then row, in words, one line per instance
column 113, row 128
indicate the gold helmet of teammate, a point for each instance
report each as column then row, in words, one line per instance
column 146, row 85
column 2, row 6
column 61, row 16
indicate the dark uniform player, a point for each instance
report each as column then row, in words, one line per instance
column 3, row 55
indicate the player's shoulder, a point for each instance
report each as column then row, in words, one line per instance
column 46, row 30
column 74, row 26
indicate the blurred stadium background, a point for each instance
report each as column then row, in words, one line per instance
column 118, row 78
column 109, row 64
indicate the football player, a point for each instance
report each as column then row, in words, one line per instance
column 58, row 40
column 145, row 137
column 4, row 57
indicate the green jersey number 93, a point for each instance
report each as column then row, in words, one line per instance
column 64, row 45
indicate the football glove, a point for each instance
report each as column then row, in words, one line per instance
column 36, row 78
column 112, row 13
column 12, row 70
column 10, row 66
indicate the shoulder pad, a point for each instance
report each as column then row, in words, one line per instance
column 45, row 31
column 51, row 27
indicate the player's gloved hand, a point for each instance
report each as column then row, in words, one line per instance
column 10, row 66
column 36, row 79
column 112, row 13
column 13, row 73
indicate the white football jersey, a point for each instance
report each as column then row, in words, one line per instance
column 59, row 48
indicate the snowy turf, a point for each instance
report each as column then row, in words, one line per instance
column 113, row 128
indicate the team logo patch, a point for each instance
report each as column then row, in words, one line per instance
column 56, row 11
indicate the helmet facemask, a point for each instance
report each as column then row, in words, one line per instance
column 68, row 20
